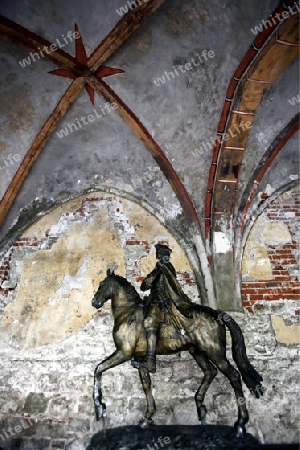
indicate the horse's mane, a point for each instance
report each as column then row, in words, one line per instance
column 129, row 288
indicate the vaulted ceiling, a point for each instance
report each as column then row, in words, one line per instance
column 189, row 108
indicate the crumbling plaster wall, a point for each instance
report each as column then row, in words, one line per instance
column 51, row 338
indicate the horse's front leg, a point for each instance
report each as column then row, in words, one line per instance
column 146, row 420
column 113, row 360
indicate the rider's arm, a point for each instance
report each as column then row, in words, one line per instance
column 147, row 282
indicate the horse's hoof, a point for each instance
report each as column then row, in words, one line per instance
column 145, row 422
column 100, row 410
column 202, row 411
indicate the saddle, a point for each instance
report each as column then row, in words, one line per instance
column 174, row 326
column 168, row 331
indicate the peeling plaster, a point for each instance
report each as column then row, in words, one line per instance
column 269, row 190
column 275, row 234
column 221, row 243
column 287, row 335
column 70, row 282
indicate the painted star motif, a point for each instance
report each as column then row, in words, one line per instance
column 81, row 56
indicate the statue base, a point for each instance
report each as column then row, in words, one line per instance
column 171, row 437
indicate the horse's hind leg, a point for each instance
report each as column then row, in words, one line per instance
column 151, row 408
column 210, row 372
column 113, row 360
column 235, row 380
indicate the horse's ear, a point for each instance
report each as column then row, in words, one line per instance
column 110, row 272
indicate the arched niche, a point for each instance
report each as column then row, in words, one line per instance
column 52, row 271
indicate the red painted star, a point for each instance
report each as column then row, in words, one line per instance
column 81, row 56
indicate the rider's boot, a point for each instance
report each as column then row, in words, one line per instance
column 150, row 361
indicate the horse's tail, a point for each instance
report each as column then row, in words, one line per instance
column 250, row 376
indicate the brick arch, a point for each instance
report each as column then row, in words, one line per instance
column 271, row 53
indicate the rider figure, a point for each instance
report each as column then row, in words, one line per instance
column 158, row 300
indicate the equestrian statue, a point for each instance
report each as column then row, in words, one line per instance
column 167, row 322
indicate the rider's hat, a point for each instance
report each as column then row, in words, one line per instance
column 163, row 249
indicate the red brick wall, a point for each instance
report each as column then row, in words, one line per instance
column 284, row 283
column 4, row 269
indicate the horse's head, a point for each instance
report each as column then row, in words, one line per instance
column 104, row 291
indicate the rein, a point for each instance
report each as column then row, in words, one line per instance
column 119, row 308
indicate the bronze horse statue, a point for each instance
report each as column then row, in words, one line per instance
column 204, row 337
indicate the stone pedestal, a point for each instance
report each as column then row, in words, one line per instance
column 171, row 437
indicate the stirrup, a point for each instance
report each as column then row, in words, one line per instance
column 139, row 363
column 135, row 364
